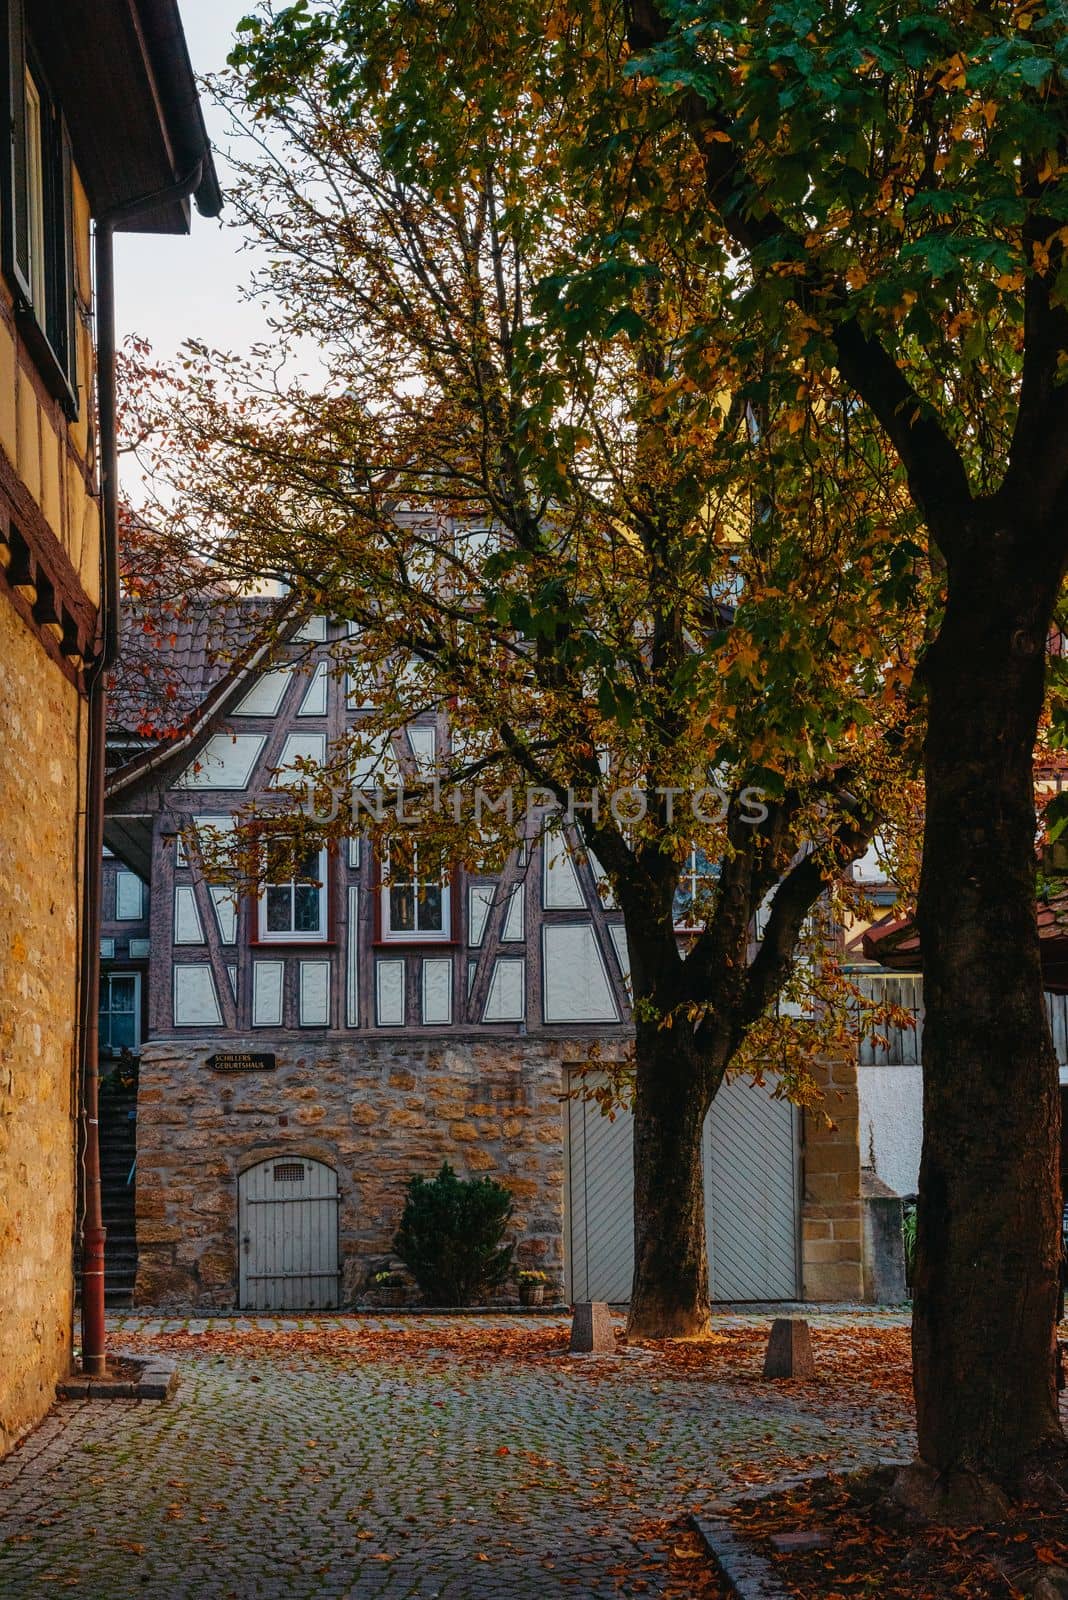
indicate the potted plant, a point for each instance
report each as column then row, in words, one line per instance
column 389, row 1287
column 532, row 1287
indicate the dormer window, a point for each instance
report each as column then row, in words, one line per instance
column 415, row 894
column 293, row 901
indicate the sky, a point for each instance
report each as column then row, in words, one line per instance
column 169, row 288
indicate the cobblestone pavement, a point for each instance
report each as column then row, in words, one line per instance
column 305, row 1476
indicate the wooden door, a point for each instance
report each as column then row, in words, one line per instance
column 752, row 1211
column 751, row 1194
column 287, row 1236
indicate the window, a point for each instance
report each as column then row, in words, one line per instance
column 120, row 1012
column 129, row 892
column 415, row 894
column 293, row 900
column 693, row 897
column 37, row 227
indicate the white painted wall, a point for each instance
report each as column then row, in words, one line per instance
column 891, row 1122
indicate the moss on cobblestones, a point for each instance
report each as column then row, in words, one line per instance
column 304, row 1478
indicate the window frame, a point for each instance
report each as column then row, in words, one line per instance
column 38, row 202
column 318, row 936
column 108, row 1049
column 387, row 934
column 692, row 875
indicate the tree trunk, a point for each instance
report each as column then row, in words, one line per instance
column 669, row 1298
column 989, row 1203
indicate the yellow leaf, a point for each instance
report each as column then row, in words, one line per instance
column 955, row 75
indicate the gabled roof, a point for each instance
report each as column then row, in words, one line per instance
column 169, row 664
column 252, row 629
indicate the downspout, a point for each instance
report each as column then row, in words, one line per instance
column 94, row 1349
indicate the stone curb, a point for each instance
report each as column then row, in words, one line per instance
column 158, row 1381
column 146, row 1313
column 749, row 1575
column 431, row 1311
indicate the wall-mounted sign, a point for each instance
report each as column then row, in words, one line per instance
column 242, row 1061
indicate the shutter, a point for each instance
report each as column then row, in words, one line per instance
column 56, row 317
column 63, row 335
column 16, row 220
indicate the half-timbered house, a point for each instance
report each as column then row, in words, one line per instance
column 312, row 1045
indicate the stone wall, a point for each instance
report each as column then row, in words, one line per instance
column 832, row 1266
column 377, row 1111
column 40, row 789
column 891, row 1123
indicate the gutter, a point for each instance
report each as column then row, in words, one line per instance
column 160, row 27
column 94, row 1352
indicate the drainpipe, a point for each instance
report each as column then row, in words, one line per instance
column 94, row 1349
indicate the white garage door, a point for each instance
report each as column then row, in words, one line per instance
column 751, row 1198
column 287, row 1236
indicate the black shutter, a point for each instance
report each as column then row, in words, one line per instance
column 56, row 315
column 13, row 181
column 68, row 310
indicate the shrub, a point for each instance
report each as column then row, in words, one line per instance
column 450, row 1236
column 908, row 1233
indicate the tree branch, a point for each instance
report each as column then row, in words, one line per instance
column 935, row 469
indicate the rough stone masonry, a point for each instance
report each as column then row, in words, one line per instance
column 378, row 1112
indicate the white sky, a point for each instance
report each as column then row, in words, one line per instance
column 173, row 287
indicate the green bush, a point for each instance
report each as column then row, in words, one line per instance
column 908, row 1231
column 450, row 1237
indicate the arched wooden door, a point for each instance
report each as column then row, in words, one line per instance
column 287, row 1236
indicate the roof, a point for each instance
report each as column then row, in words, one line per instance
column 895, row 943
column 168, row 665
column 121, row 72
column 202, row 676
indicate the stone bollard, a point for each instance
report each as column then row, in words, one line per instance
column 789, row 1350
column 591, row 1329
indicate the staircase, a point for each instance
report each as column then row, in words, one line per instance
column 118, row 1148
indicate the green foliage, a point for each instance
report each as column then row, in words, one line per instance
column 450, row 1236
column 908, row 1235
column 703, row 565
